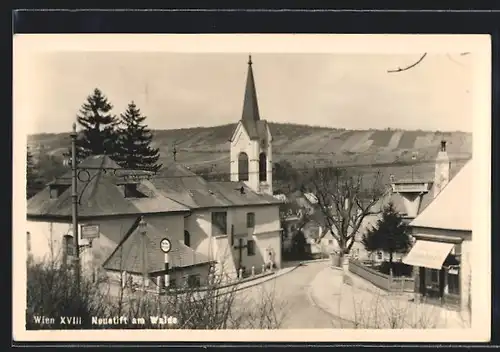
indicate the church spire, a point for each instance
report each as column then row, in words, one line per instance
column 250, row 107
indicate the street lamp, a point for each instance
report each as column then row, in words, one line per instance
column 74, row 204
column 143, row 230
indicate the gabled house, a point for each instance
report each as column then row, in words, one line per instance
column 441, row 253
column 228, row 225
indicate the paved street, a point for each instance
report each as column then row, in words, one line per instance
column 291, row 297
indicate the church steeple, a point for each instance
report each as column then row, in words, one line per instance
column 250, row 114
column 251, row 144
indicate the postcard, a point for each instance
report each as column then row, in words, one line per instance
column 258, row 187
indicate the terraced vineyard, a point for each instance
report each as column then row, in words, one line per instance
column 302, row 145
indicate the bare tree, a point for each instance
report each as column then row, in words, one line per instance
column 344, row 201
column 399, row 69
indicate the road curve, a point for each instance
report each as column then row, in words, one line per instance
column 291, row 295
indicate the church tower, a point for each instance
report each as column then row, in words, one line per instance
column 251, row 144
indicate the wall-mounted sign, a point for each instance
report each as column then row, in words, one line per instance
column 89, row 231
column 165, row 245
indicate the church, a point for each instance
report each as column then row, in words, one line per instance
column 231, row 227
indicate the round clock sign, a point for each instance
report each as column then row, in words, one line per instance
column 165, row 245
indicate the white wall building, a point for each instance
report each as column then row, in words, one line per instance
column 236, row 223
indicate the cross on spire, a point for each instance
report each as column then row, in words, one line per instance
column 250, row 59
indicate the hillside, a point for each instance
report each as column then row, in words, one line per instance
column 302, row 145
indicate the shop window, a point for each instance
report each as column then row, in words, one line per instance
column 453, row 281
column 434, row 279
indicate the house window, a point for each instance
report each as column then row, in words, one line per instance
column 187, row 239
column 380, row 255
column 250, row 247
column 69, row 245
column 243, row 167
column 219, row 223
column 172, row 283
column 355, row 253
column 262, row 167
column 193, row 280
column 250, row 220
column 330, row 242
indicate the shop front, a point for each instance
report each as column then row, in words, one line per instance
column 437, row 267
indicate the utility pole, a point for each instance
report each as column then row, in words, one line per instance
column 74, row 203
column 142, row 227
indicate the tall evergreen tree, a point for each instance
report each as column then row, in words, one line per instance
column 98, row 135
column 390, row 234
column 134, row 149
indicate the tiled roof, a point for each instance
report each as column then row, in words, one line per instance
column 102, row 196
column 128, row 256
column 428, row 197
column 195, row 192
column 452, row 208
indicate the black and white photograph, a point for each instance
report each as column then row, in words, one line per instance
column 245, row 187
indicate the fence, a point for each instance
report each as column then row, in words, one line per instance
column 383, row 281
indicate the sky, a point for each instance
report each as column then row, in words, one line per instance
column 180, row 90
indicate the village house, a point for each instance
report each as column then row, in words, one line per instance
column 411, row 197
column 225, row 225
column 441, row 253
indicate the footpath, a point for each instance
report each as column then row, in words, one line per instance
column 363, row 305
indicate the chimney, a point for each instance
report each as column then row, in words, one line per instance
column 442, row 170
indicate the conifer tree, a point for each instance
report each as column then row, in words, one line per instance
column 134, row 149
column 390, row 234
column 98, row 135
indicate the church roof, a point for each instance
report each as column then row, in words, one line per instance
column 255, row 127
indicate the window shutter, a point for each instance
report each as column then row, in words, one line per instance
column 232, row 235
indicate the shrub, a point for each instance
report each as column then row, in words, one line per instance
column 398, row 269
column 51, row 292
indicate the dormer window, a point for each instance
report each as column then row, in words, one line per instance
column 57, row 190
column 130, row 190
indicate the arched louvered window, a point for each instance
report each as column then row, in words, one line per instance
column 243, row 167
column 262, row 167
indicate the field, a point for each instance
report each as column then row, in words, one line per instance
column 302, row 145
